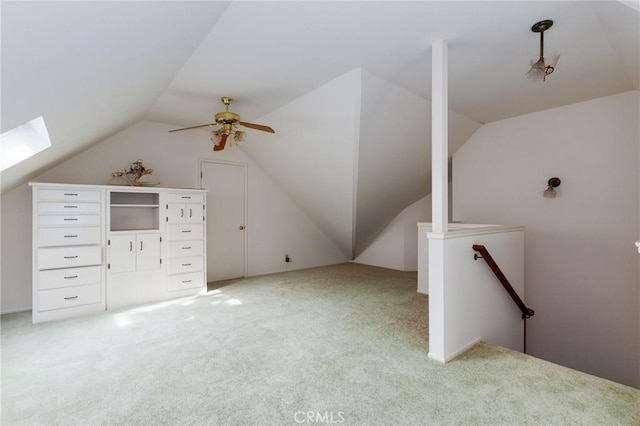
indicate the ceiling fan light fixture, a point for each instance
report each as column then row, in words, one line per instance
column 239, row 136
column 544, row 65
column 216, row 137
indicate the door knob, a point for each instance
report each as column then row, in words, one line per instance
column 241, row 227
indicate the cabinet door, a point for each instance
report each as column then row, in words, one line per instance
column 148, row 248
column 194, row 213
column 175, row 213
column 122, row 253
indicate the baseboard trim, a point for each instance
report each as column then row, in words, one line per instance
column 454, row 354
column 13, row 311
column 463, row 349
column 436, row 358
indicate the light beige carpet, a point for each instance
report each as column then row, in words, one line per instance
column 345, row 344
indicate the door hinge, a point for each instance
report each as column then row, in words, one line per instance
column 108, row 242
column 161, row 261
column 108, row 266
column 200, row 175
column 160, row 239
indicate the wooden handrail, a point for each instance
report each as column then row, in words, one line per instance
column 526, row 312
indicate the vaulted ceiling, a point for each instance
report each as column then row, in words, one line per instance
column 94, row 68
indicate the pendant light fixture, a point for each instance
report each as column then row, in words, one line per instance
column 544, row 65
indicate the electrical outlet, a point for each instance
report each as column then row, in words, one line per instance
column 287, row 258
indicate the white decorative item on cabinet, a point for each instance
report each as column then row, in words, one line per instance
column 98, row 247
column 68, row 245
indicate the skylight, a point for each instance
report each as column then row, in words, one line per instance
column 24, row 141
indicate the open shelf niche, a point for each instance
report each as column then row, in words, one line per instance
column 134, row 211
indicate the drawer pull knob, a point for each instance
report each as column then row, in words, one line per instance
column 70, row 207
column 70, row 194
column 71, row 236
column 186, row 231
column 73, row 277
column 186, row 281
column 186, row 248
column 71, row 298
column 71, row 257
column 70, row 218
column 186, row 264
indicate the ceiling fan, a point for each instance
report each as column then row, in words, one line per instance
column 228, row 122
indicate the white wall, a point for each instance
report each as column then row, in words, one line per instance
column 277, row 225
column 352, row 154
column 394, row 156
column 467, row 303
column 15, row 258
column 312, row 153
column 396, row 247
column 581, row 269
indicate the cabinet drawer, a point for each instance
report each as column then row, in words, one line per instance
column 58, row 278
column 69, row 220
column 69, row 257
column 185, row 281
column 185, row 264
column 185, row 248
column 69, row 195
column 69, row 207
column 185, row 232
column 69, row 297
column 69, row 236
column 185, row 198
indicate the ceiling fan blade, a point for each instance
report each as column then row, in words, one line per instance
column 257, row 127
column 193, row 127
column 223, row 141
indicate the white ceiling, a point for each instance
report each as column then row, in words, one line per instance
column 266, row 54
column 94, row 68
column 90, row 68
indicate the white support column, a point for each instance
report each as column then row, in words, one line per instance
column 439, row 137
column 439, row 201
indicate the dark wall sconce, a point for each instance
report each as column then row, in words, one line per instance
column 550, row 192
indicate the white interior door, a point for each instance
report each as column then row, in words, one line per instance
column 226, row 219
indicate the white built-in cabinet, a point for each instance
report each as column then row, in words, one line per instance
column 101, row 247
column 68, row 247
column 134, row 252
column 185, row 240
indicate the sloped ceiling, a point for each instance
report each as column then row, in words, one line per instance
column 394, row 154
column 93, row 68
column 90, row 68
column 312, row 155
